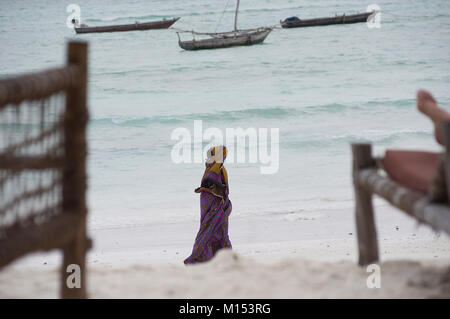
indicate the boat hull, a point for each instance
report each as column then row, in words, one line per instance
column 163, row 24
column 250, row 38
column 343, row 19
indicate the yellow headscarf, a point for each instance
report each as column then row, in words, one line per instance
column 217, row 155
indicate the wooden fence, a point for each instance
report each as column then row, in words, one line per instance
column 43, row 118
column 368, row 181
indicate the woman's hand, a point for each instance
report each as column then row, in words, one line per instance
column 199, row 189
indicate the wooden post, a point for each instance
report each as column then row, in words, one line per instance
column 74, row 176
column 365, row 223
column 445, row 129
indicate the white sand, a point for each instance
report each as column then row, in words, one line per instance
column 301, row 255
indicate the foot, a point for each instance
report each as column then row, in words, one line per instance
column 428, row 106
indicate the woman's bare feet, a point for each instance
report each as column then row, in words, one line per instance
column 428, row 106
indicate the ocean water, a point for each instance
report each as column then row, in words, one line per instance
column 323, row 88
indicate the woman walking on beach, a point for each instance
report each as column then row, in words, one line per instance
column 215, row 208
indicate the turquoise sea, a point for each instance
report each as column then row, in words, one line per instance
column 323, row 87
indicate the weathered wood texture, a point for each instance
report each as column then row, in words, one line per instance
column 58, row 220
column 74, row 175
column 342, row 19
column 368, row 181
column 411, row 202
column 365, row 222
column 37, row 85
column 30, row 162
column 162, row 24
column 49, row 235
column 224, row 40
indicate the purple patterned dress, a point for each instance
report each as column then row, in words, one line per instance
column 213, row 233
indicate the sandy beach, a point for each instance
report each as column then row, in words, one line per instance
column 297, row 255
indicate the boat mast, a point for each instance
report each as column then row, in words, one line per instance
column 235, row 16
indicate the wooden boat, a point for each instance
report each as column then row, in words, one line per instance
column 342, row 19
column 226, row 39
column 161, row 24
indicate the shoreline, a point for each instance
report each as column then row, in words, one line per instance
column 319, row 249
column 327, row 235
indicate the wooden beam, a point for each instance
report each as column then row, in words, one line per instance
column 399, row 196
column 52, row 234
column 74, row 175
column 409, row 201
column 9, row 162
column 36, row 85
column 364, row 215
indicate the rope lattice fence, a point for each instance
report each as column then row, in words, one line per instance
column 43, row 118
column 32, row 151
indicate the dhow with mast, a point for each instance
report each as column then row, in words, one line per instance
column 226, row 39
